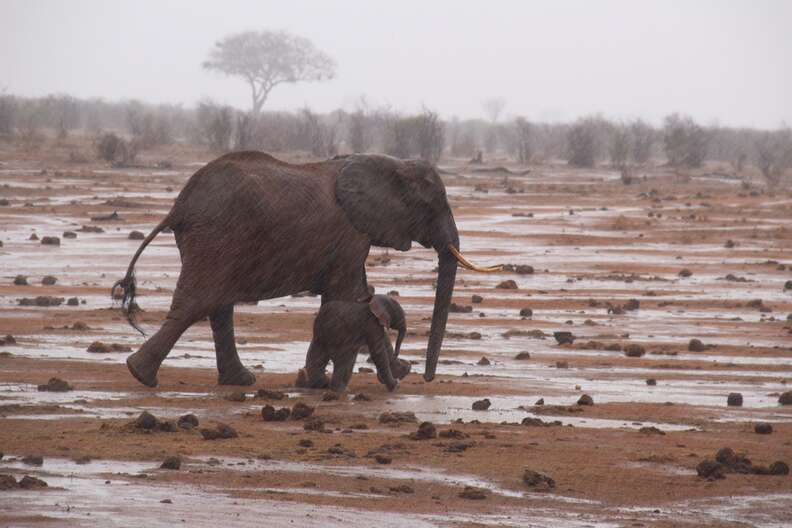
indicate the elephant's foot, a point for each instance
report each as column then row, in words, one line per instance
column 400, row 368
column 143, row 368
column 304, row 382
column 236, row 376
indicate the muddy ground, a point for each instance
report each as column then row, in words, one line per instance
column 705, row 256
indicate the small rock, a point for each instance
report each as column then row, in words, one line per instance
column 55, row 385
column 710, row 470
column 651, row 382
column 41, row 300
column 523, row 356
column 398, row 417
column 426, row 431
column 314, row 423
column 7, row 482
column 236, row 396
column 187, row 421
column 562, row 364
column 222, row 431
column 402, row 488
column 481, row 405
column 540, row 401
column 524, row 269
column 383, row 459
column 476, row 299
column 763, row 428
column 651, row 430
column 33, row 236
column 360, row 397
column 48, row 280
column 98, row 347
column 473, row 493
column 166, row 501
column 33, row 460
column 734, row 399
column 171, row 462
column 8, row 340
column 507, row 285
column 634, row 350
column 459, row 308
column 29, row 482
column 330, row 396
column 779, row 468
column 20, row 280
column 785, row 398
column 564, row 338
column 585, row 400
column 270, row 395
column 538, row 481
column 269, row 414
column 788, row 285
column 306, row 443
column 301, row 411
column 72, row 301
column 526, row 312
column 484, row 362
column 136, row 235
column 69, row 234
column 696, row 345
column 50, row 241
column 684, row 273
column 147, row 421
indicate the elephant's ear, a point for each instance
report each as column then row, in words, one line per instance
column 379, row 307
column 372, row 194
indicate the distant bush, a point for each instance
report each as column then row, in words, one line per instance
column 620, row 143
column 215, row 125
column 643, row 138
column 773, row 154
column 8, row 111
column 116, row 150
column 685, row 141
column 585, row 140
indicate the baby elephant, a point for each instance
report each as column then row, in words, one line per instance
column 341, row 328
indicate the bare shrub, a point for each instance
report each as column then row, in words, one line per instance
column 358, row 137
column 773, row 154
column 116, row 150
column 585, row 140
column 397, row 136
column 685, row 141
column 643, row 138
column 429, row 135
column 620, row 142
column 524, row 143
column 215, row 125
column 8, row 114
column 318, row 136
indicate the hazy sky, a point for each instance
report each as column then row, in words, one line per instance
column 724, row 61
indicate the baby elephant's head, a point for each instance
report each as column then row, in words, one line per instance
column 390, row 315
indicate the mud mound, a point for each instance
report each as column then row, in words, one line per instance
column 55, row 385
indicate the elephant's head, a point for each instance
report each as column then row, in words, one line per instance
column 396, row 202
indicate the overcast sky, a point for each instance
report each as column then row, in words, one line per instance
column 720, row 61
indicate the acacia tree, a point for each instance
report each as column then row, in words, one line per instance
column 266, row 59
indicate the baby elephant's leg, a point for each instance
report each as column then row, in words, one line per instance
column 343, row 365
column 313, row 375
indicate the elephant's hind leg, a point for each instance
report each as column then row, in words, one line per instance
column 145, row 363
column 229, row 367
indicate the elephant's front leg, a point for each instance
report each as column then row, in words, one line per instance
column 313, row 375
column 229, row 368
column 343, row 365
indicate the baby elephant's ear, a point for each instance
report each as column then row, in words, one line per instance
column 379, row 307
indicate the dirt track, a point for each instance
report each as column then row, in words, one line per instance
column 594, row 244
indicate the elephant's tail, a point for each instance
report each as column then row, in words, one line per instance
column 128, row 283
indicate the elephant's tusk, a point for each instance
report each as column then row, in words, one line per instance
column 472, row 267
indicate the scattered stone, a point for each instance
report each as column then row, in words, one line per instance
column 383, row 459
column 788, row 285
column 9, row 340
column 523, row 269
column 562, row 364
column 340, row 450
column 48, row 280
column 33, row 460
column 684, row 273
column 507, row 285
column 50, row 241
column 7, row 482
column 41, row 300
column 236, row 396
column 98, row 347
column 539, row 402
column 484, row 362
column 330, row 396
column 270, row 395
column 476, row 299
column 733, row 462
column 222, row 431
column 305, row 442
column 112, row 217
column 452, row 433
column 564, row 338
column 91, row 229
column 481, row 405
column 651, row 430
column 136, row 235
column 426, row 431
column 72, row 301
column 55, row 385
column 20, row 280
column 696, row 345
column 360, row 397
column 526, row 312
column 523, row 356
column 171, row 462
column 585, row 400
column 398, row 417
column 314, row 423
column 473, row 493
column 634, row 350
column 459, row 308
column 734, row 399
column 651, row 382
column 69, row 234
column 710, row 470
column 187, row 421
column 779, row 468
column 269, row 414
column 166, row 501
column 301, row 411
column 785, row 398
column 33, row 236
column 763, row 428
column 29, row 482
column 538, row 481
column 146, row 421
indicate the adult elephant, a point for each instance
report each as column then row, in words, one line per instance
column 250, row 227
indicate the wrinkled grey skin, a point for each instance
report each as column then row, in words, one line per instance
column 250, row 227
column 341, row 330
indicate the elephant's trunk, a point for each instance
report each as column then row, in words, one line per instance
column 402, row 330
